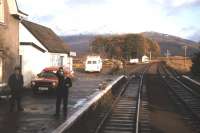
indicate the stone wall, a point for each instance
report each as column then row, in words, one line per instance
column 9, row 42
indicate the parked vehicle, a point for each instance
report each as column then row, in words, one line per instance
column 145, row 59
column 134, row 61
column 47, row 80
column 93, row 64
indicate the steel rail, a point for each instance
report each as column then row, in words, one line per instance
column 180, row 82
column 139, row 101
column 101, row 127
column 113, row 105
column 181, row 99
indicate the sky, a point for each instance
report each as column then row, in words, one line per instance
column 68, row 17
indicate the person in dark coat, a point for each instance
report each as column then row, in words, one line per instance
column 64, row 83
column 16, row 83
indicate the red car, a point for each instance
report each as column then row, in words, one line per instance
column 47, row 79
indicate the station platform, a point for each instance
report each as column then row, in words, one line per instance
column 37, row 116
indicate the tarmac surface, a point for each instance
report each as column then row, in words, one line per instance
column 37, row 116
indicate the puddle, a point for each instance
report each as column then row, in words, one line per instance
column 80, row 103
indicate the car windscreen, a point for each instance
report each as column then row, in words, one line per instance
column 47, row 75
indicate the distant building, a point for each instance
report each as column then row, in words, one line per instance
column 40, row 47
column 10, row 17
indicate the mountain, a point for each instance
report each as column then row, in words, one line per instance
column 174, row 44
column 80, row 43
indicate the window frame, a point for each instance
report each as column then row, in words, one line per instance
column 2, row 10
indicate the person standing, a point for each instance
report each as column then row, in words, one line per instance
column 16, row 83
column 64, row 83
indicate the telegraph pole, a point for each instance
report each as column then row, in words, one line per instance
column 185, row 55
column 150, row 55
column 167, row 53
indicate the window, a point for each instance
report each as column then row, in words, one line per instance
column 94, row 62
column 54, row 60
column 1, row 11
column 61, row 60
column 1, row 70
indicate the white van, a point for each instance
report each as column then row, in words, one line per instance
column 145, row 59
column 93, row 64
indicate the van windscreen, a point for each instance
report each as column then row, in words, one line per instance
column 89, row 62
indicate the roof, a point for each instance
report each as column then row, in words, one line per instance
column 46, row 37
column 93, row 58
column 20, row 12
column 32, row 44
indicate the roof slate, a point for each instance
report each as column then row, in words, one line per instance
column 47, row 37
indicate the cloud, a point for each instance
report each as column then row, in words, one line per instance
column 173, row 7
column 85, row 2
column 195, row 36
column 176, row 3
column 114, row 16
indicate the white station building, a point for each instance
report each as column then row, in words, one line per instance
column 40, row 47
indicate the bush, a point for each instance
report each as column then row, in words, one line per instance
column 196, row 64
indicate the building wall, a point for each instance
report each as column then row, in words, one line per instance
column 33, row 61
column 9, row 43
column 55, row 59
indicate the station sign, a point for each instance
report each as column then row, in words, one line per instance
column 72, row 54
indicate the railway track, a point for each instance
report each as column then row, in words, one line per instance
column 129, row 112
column 184, row 96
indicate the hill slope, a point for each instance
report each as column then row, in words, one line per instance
column 80, row 43
column 174, row 44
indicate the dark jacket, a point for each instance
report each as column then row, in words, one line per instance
column 16, row 84
column 64, row 83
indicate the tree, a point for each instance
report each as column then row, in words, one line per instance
column 124, row 46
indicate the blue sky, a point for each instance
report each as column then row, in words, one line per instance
column 66, row 17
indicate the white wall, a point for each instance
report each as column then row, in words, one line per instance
column 55, row 60
column 33, row 61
